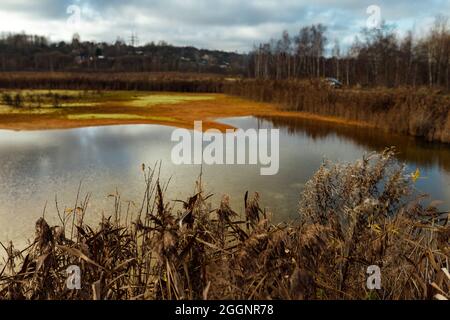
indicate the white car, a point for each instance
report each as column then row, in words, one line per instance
column 334, row 83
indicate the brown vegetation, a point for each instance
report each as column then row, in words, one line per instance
column 168, row 81
column 422, row 113
column 351, row 216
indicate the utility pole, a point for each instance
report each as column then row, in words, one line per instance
column 134, row 39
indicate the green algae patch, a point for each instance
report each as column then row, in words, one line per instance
column 77, row 105
column 158, row 99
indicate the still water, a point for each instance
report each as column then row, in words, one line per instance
column 39, row 165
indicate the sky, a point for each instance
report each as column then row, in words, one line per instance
column 231, row 25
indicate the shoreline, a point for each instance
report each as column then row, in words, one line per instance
column 174, row 115
column 246, row 243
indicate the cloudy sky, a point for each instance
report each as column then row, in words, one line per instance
column 233, row 25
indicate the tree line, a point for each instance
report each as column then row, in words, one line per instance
column 23, row 52
column 377, row 57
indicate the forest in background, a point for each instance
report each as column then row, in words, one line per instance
column 392, row 82
column 377, row 57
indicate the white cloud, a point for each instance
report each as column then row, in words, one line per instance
column 220, row 24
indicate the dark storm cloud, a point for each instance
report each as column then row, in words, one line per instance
column 222, row 24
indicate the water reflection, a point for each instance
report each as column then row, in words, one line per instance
column 36, row 166
column 410, row 149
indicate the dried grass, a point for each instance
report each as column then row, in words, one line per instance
column 422, row 113
column 350, row 216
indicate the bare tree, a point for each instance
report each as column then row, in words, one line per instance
column 337, row 56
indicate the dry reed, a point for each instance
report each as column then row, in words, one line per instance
column 350, row 216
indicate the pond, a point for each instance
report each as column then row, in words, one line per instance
column 36, row 166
